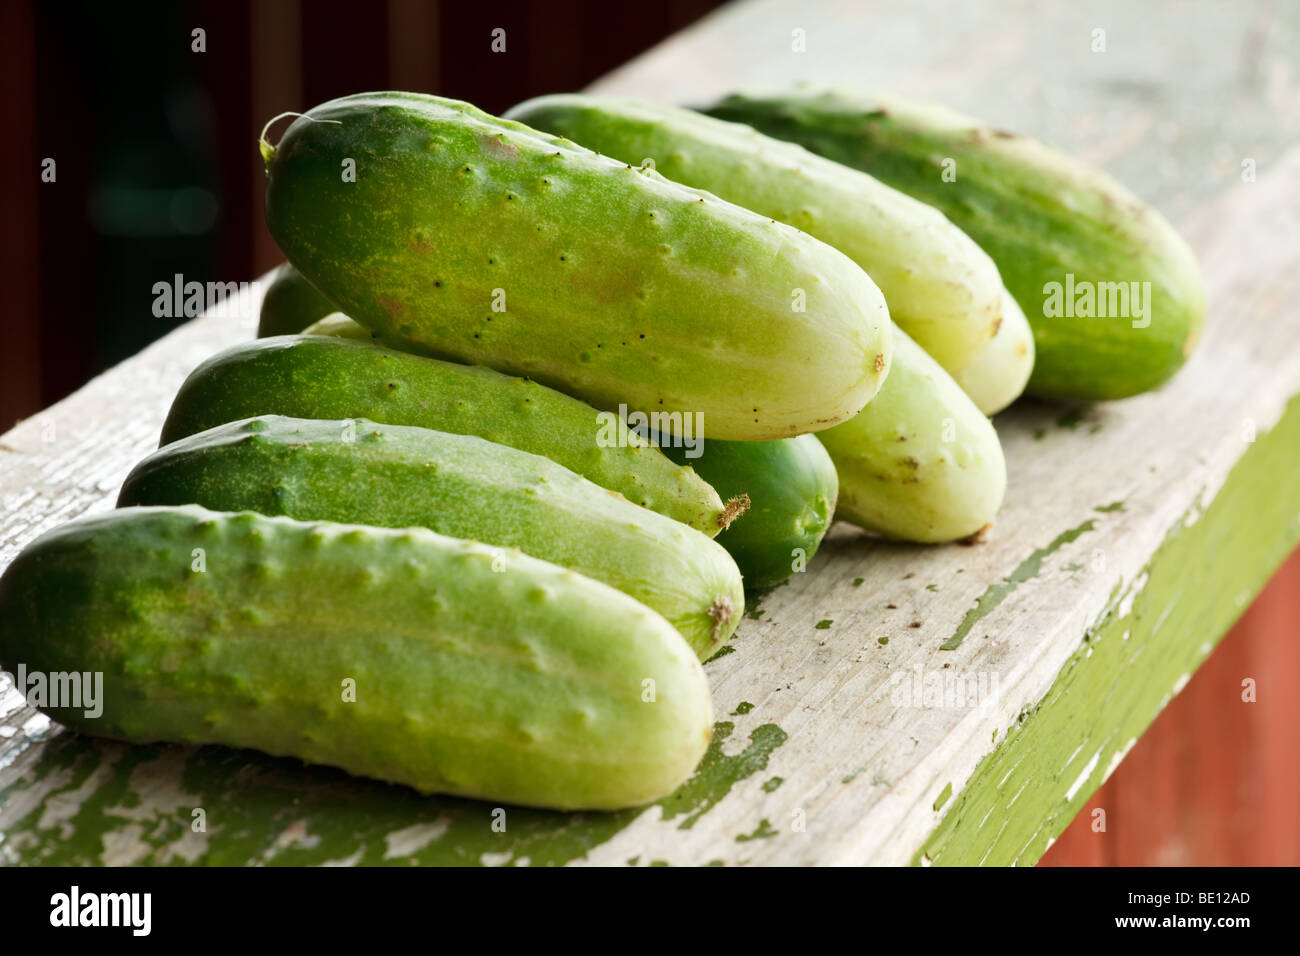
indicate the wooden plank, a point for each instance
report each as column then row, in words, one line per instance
column 816, row 759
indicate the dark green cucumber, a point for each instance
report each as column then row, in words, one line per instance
column 791, row 486
column 290, row 304
column 403, row 655
column 493, row 244
column 1053, row 226
column 399, row 476
column 941, row 287
column 310, row 376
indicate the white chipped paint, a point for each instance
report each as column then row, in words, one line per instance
column 1083, row 777
column 1126, row 602
column 413, row 839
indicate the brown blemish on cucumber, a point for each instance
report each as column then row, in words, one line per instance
column 721, row 611
column 497, row 147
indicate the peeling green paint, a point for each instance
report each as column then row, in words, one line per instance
column 882, row 640
column 943, row 796
column 742, row 709
column 857, row 582
column 762, row 832
column 1058, row 752
column 260, row 809
column 1070, row 419
column 995, row 594
column 723, row 651
column 772, row 784
column 718, row 773
column 852, row 776
column 1113, row 506
column 823, row 624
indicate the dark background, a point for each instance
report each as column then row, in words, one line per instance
column 157, row 170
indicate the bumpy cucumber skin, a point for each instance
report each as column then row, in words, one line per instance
column 941, row 287
column 290, row 304
column 399, row 476
column 1038, row 213
column 478, row 671
column 792, row 489
column 618, row 286
column 322, row 377
column 921, row 462
column 1000, row 373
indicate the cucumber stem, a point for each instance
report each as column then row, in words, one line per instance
column 733, row 509
column 264, row 146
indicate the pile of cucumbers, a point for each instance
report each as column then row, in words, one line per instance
column 537, row 399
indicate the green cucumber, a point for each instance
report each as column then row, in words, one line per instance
column 941, row 287
column 399, row 476
column 1063, row 234
column 791, row 487
column 338, row 325
column 489, row 243
column 921, row 462
column 403, row 655
column 788, row 482
column 290, row 304
column 1000, row 373
column 311, row 376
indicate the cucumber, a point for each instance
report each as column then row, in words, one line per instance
column 290, row 304
column 310, row 376
column 398, row 476
column 791, row 487
column 999, row 374
column 921, row 462
column 941, row 287
column 338, row 325
column 1054, row 226
column 474, row 670
column 492, row 244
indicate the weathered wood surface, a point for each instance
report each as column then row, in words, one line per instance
column 814, row 762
